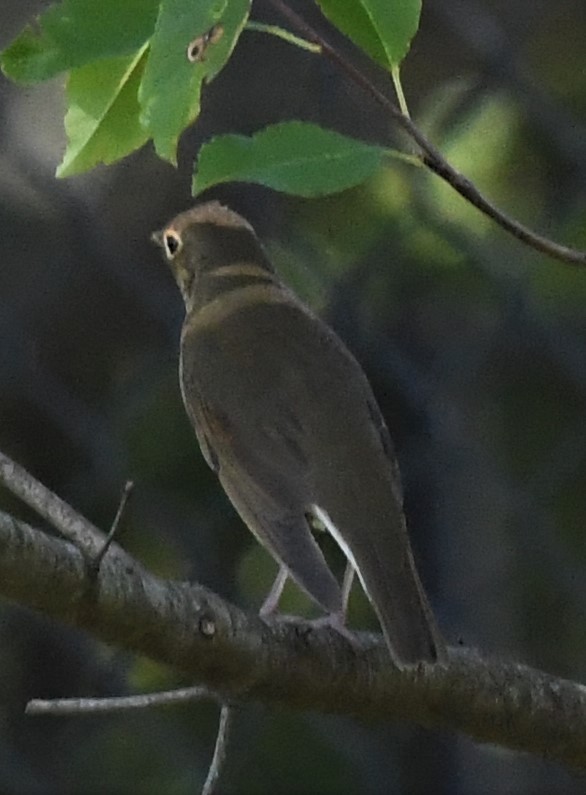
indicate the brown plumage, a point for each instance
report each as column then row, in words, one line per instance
column 286, row 418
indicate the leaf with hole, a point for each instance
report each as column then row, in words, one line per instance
column 177, row 67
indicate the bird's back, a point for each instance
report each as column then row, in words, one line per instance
column 299, row 407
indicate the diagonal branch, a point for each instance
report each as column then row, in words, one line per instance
column 431, row 156
column 50, row 507
column 241, row 657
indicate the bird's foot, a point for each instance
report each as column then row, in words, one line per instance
column 271, row 603
column 335, row 621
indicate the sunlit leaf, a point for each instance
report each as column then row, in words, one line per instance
column 102, row 120
column 171, row 87
column 294, row 157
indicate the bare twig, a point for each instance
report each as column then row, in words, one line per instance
column 91, row 706
column 113, row 704
column 126, row 492
column 431, row 156
column 220, row 750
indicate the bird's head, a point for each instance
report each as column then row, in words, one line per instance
column 204, row 239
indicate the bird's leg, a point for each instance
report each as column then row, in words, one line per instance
column 337, row 620
column 271, row 603
column 347, row 587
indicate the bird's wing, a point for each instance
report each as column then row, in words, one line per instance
column 387, row 445
column 250, row 436
column 285, row 534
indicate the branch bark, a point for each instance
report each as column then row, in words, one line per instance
column 241, row 657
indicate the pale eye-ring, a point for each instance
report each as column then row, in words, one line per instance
column 172, row 243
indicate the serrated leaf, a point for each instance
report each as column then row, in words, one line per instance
column 293, row 157
column 171, row 87
column 382, row 28
column 102, row 121
column 77, row 32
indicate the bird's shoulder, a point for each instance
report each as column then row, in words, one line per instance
column 266, row 316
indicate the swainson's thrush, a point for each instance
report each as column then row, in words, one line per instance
column 286, row 418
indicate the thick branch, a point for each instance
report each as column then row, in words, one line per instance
column 431, row 156
column 290, row 663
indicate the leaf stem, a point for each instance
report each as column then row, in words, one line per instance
column 405, row 157
column 396, row 75
column 281, row 33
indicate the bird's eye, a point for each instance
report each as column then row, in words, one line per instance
column 172, row 243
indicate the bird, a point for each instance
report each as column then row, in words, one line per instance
column 287, row 420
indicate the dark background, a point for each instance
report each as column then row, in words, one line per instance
column 475, row 346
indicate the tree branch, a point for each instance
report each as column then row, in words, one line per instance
column 432, row 157
column 52, row 508
column 241, row 657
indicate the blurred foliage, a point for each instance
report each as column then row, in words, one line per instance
column 475, row 346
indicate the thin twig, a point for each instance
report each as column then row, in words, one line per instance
column 431, row 157
column 220, row 750
column 91, row 706
column 126, row 492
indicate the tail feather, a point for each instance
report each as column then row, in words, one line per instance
column 384, row 563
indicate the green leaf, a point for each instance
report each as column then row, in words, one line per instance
column 171, row 87
column 294, row 157
column 382, row 28
column 77, row 32
column 102, row 121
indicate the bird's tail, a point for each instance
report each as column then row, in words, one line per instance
column 384, row 563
